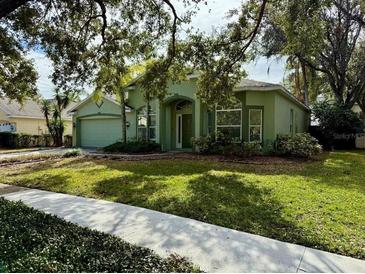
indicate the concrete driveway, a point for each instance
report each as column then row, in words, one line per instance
column 34, row 153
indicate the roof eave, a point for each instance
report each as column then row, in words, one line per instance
column 280, row 88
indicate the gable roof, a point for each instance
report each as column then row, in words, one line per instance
column 109, row 98
column 29, row 109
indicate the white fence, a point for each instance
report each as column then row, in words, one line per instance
column 360, row 141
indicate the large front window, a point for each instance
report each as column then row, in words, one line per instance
column 142, row 124
column 255, row 125
column 228, row 120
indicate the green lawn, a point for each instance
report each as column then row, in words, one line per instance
column 32, row 241
column 319, row 204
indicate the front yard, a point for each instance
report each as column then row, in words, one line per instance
column 320, row 204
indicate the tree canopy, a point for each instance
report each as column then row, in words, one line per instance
column 80, row 36
column 325, row 36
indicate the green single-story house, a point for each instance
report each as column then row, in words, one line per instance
column 260, row 112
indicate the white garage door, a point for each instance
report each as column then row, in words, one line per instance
column 100, row 132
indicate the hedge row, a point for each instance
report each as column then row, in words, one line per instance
column 20, row 140
column 32, row 241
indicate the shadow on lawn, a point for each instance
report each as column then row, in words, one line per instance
column 229, row 201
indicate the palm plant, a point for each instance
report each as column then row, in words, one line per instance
column 54, row 108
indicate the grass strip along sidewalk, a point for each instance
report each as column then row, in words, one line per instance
column 32, row 241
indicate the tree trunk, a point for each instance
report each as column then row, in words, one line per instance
column 148, row 119
column 123, row 116
column 305, row 84
column 8, row 6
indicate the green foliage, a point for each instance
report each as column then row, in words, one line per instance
column 32, row 241
column 133, row 147
column 72, row 153
column 17, row 74
column 20, row 140
column 222, row 145
column 67, row 141
column 336, row 119
column 324, row 37
column 301, row 145
column 53, row 112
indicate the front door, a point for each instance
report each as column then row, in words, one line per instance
column 178, row 130
column 187, row 130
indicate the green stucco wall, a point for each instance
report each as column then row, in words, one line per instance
column 283, row 107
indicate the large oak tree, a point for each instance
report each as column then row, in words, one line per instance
column 324, row 36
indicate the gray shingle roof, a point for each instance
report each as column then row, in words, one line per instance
column 30, row 108
column 247, row 83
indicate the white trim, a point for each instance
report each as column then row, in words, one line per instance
column 178, row 126
column 249, row 123
column 145, row 116
column 229, row 126
column 90, row 97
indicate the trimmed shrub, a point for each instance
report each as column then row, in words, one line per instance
column 8, row 139
column 133, row 147
column 20, row 140
column 222, row 145
column 33, row 241
column 46, row 140
column 301, row 145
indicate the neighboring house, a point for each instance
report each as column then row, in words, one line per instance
column 27, row 118
column 260, row 113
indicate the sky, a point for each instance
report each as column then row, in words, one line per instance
column 211, row 16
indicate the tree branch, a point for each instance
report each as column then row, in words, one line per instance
column 8, row 6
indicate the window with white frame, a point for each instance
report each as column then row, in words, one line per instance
column 255, row 125
column 142, row 124
column 229, row 120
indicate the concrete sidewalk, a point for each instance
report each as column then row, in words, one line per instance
column 213, row 248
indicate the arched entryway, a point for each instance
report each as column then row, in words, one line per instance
column 178, row 125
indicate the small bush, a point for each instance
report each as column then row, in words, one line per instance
column 67, row 141
column 301, row 145
column 72, row 153
column 223, row 145
column 133, row 147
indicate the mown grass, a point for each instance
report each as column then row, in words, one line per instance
column 320, row 204
column 32, row 241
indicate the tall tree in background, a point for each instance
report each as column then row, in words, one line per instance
column 324, row 38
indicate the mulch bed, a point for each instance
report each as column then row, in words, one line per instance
column 255, row 160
